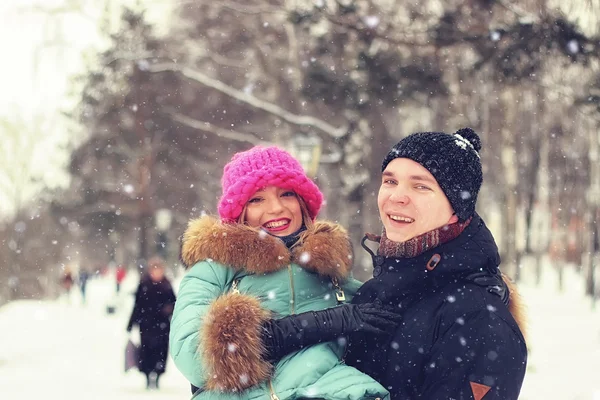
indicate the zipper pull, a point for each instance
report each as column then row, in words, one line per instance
column 234, row 286
column 339, row 292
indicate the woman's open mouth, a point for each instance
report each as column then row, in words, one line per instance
column 277, row 225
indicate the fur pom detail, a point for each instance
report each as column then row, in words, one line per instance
column 326, row 249
column 231, row 343
column 516, row 306
column 235, row 245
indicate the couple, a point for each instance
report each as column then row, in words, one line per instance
column 268, row 307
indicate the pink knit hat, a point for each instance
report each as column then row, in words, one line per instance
column 254, row 169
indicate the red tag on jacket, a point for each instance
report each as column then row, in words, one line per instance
column 479, row 390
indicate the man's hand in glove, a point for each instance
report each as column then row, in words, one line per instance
column 294, row 332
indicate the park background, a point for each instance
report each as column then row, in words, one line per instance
column 116, row 118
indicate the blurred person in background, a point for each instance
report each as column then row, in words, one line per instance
column 66, row 280
column 82, row 280
column 152, row 311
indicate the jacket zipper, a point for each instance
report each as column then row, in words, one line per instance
column 293, row 296
column 339, row 292
column 272, row 390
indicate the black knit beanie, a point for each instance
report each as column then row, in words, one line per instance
column 453, row 160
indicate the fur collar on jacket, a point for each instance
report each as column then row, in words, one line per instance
column 325, row 248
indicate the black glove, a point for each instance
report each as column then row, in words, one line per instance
column 294, row 332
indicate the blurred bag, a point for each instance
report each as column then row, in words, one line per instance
column 132, row 355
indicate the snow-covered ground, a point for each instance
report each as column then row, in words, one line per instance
column 64, row 350
column 563, row 340
column 69, row 351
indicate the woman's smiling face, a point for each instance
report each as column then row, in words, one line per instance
column 275, row 210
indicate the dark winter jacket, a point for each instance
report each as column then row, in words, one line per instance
column 154, row 303
column 457, row 339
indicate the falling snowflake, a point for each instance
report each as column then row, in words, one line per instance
column 304, row 257
column 372, row 21
column 573, row 46
column 262, row 234
column 231, row 347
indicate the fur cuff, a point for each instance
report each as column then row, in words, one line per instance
column 325, row 249
column 516, row 305
column 231, row 343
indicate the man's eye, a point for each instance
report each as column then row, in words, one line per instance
column 423, row 187
column 389, row 181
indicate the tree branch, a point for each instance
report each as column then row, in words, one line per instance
column 224, row 133
column 299, row 120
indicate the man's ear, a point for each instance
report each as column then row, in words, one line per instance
column 453, row 219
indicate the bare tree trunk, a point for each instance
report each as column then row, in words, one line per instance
column 510, row 164
column 591, row 217
column 542, row 186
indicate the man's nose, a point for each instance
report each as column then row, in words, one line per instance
column 400, row 196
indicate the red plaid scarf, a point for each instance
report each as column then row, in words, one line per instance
column 420, row 244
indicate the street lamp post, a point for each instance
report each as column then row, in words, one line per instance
column 307, row 149
column 163, row 218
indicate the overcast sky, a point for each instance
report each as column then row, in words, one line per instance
column 43, row 43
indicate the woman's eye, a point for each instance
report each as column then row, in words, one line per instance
column 254, row 200
column 287, row 194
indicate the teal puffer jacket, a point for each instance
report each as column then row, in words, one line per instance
column 237, row 278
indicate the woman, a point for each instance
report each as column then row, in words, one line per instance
column 154, row 302
column 266, row 257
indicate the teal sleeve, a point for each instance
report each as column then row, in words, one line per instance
column 201, row 285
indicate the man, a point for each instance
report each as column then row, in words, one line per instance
column 457, row 333
column 438, row 263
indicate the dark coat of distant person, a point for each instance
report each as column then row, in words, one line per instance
column 154, row 303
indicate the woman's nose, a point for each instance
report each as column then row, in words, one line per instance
column 275, row 206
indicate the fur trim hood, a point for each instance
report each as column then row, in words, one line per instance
column 324, row 249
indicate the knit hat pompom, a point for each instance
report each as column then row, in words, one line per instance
column 471, row 136
column 453, row 160
column 254, row 169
